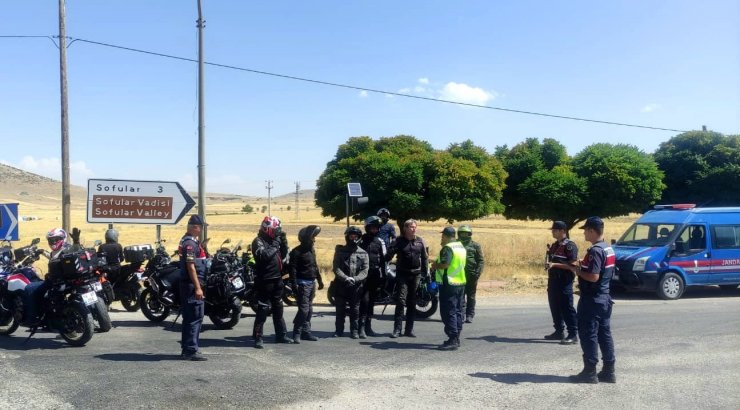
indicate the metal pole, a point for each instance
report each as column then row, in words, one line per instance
column 201, row 127
column 66, row 201
column 159, row 233
column 269, row 197
column 346, row 206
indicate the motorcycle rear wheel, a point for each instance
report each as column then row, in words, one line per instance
column 77, row 326
column 151, row 307
column 100, row 313
column 130, row 301
column 226, row 317
column 8, row 322
column 289, row 298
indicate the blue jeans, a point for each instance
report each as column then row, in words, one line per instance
column 451, row 300
column 32, row 295
column 594, row 328
column 193, row 311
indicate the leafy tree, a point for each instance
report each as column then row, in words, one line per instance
column 264, row 208
column 247, row 208
column 702, row 167
column 412, row 179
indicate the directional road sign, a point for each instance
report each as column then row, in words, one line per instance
column 9, row 222
column 136, row 202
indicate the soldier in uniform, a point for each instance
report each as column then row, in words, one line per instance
column 450, row 275
column 192, row 275
column 473, row 269
column 595, row 273
column 562, row 256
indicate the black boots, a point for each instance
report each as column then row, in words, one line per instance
column 308, row 336
column 296, row 337
column 368, row 328
column 555, row 335
column 397, row 323
column 571, row 339
column 606, row 374
column 587, row 375
column 257, row 335
column 450, row 344
column 283, row 339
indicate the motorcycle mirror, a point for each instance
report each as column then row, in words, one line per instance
column 35, row 241
column 97, row 242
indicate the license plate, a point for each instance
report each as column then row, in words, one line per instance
column 97, row 286
column 139, row 274
column 237, row 282
column 89, row 298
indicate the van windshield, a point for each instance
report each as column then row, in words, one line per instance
column 653, row 234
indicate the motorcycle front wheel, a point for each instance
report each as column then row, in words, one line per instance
column 100, row 314
column 130, row 301
column 151, row 307
column 426, row 304
column 77, row 324
column 8, row 322
column 226, row 317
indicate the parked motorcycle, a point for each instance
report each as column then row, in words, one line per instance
column 123, row 281
column 427, row 301
column 222, row 305
column 66, row 305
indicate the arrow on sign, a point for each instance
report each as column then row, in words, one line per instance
column 13, row 223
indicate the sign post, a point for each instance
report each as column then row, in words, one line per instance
column 136, row 202
column 9, row 222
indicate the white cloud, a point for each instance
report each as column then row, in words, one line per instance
column 79, row 172
column 419, row 89
column 363, row 94
column 650, row 107
column 423, row 80
column 461, row 92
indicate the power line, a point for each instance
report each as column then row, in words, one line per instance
column 353, row 87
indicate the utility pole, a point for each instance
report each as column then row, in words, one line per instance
column 297, row 195
column 66, row 201
column 201, row 127
column 269, row 197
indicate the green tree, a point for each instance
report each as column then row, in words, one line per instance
column 412, row 179
column 702, row 167
column 247, row 208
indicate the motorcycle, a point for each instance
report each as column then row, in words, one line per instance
column 427, row 300
column 123, row 281
column 162, row 295
column 66, row 305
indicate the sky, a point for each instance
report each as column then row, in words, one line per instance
column 133, row 116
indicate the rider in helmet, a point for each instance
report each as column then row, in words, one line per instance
column 304, row 273
column 270, row 248
column 473, row 269
column 113, row 251
column 387, row 231
column 376, row 250
column 350, row 266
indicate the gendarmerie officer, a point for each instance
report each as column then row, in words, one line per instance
column 595, row 305
column 192, row 276
column 450, row 275
column 562, row 256
column 473, row 269
column 411, row 263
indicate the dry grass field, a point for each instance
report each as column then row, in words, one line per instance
column 514, row 250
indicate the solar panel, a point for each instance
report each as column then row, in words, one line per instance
column 354, row 189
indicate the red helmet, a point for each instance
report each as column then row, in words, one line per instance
column 56, row 237
column 270, row 226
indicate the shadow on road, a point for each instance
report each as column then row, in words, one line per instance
column 516, row 378
column 137, row 357
column 229, row 341
column 498, row 339
column 400, row 346
column 166, row 325
column 20, row 343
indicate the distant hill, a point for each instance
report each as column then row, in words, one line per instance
column 21, row 186
column 305, row 194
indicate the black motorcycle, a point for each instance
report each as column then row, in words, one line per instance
column 66, row 305
column 123, row 282
column 427, row 301
column 161, row 294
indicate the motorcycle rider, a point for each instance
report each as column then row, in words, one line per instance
column 350, row 266
column 304, row 272
column 269, row 248
column 192, row 277
column 113, row 252
column 473, row 269
column 34, row 292
column 376, row 250
column 411, row 263
column 387, row 231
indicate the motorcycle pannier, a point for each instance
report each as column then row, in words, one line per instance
column 138, row 253
column 73, row 265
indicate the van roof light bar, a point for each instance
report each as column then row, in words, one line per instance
column 675, row 206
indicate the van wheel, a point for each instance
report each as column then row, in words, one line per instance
column 670, row 287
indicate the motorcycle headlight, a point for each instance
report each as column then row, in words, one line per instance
column 639, row 265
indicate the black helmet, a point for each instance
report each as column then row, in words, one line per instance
column 373, row 220
column 352, row 230
column 111, row 235
column 310, row 231
column 385, row 211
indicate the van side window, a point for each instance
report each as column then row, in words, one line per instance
column 726, row 236
column 693, row 239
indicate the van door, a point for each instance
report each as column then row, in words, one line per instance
column 725, row 254
column 691, row 254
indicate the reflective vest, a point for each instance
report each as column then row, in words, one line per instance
column 456, row 271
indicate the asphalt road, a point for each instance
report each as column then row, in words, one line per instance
column 681, row 354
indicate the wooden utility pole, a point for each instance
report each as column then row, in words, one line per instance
column 66, row 201
column 201, row 127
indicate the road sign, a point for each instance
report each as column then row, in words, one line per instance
column 136, row 202
column 9, row 222
column 354, row 189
